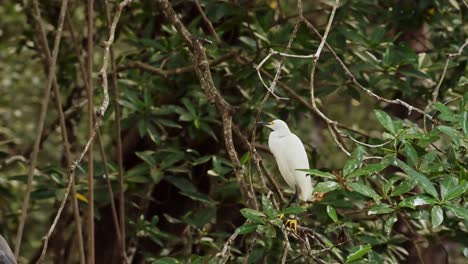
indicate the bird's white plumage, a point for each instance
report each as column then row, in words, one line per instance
column 290, row 156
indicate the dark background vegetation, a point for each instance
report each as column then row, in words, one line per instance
column 400, row 197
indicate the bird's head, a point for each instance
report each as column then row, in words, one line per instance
column 276, row 125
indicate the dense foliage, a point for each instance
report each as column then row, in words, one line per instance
column 400, row 196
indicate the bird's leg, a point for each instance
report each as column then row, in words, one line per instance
column 292, row 223
column 294, row 199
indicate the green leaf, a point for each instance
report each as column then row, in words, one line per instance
column 355, row 162
column 465, row 123
column 147, row 156
column 268, row 230
column 462, row 81
column 451, row 189
column 411, row 154
column 332, row 213
column 447, row 184
column 253, row 215
column 166, row 260
column 380, row 209
column 404, row 187
column 451, row 132
column 292, row 210
column 267, row 207
column 389, row 184
column 43, row 193
column 422, row 180
column 417, row 200
column 368, row 170
column 358, row 252
column 389, row 223
column 459, row 211
column 445, row 113
column 364, row 190
column 327, row 186
column 386, row 121
column 437, row 216
column 319, row 173
column 247, row 228
column 181, row 183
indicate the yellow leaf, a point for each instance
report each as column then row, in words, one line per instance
column 273, row 4
column 81, row 197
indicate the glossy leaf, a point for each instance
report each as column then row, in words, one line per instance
column 247, row 228
column 292, row 210
column 404, row 187
column 319, row 173
column 389, row 223
column 364, row 190
column 327, row 186
column 267, row 207
column 437, row 216
column 380, row 209
column 357, row 253
column 417, row 200
column 253, row 215
column 459, row 211
column 386, row 121
column 332, row 213
column 422, row 180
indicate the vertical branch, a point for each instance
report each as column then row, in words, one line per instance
column 332, row 125
column 42, row 116
column 68, row 156
column 109, row 186
column 109, row 55
column 202, row 69
column 118, row 139
column 207, row 22
column 89, row 65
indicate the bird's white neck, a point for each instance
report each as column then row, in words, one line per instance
column 281, row 133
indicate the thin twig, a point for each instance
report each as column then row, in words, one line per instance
column 166, row 73
column 42, row 116
column 286, row 246
column 119, row 147
column 224, row 254
column 465, row 3
column 109, row 185
column 207, row 22
column 68, row 157
column 91, row 131
column 202, row 69
column 435, row 93
column 332, row 125
column 353, row 79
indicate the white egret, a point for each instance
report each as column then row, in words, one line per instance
column 290, row 156
column 6, row 256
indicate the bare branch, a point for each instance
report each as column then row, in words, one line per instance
column 121, row 232
column 165, row 73
column 207, row 22
column 202, row 69
column 42, row 116
column 91, row 130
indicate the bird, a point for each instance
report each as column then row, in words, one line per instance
column 291, row 157
column 6, row 255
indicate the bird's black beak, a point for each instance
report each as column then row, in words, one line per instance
column 262, row 123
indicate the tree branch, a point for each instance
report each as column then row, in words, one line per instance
column 42, row 116
column 202, row 69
